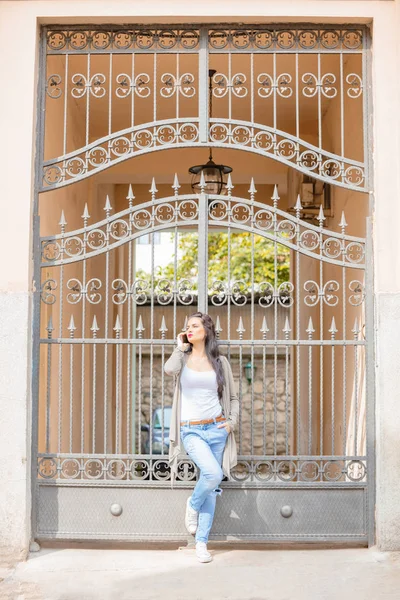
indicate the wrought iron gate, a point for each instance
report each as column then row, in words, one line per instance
column 103, row 332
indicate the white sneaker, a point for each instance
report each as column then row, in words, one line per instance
column 202, row 553
column 191, row 518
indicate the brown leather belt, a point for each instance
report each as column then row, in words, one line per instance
column 204, row 421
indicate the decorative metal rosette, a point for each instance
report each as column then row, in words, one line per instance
column 116, row 469
column 70, row 468
column 47, row 467
column 309, row 470
column 161, row 470
column 219, row 293
column 82, row 85
column 186, row 470
column 119, row 229
column 90, row 290
column 47, row 291
column 326, row 293
column 355, row 85
column 224, row 85
column 218, row 210
column 164, row 291
column 53, row 86
column 183, row 85
column 313, row 85
column 356, row 470
column 242, row 471
column 241, row 213
column 263, row 470
column 333, row 470
column 354, row 252
column 186, row 289
column 94, row 468
column 140, row 469
column 281, row 84
column 357, row 290
column 282, row 293
column 309, row 239
column 137, row 85
column 164, row 213
column 50, row 250
column 138, row 291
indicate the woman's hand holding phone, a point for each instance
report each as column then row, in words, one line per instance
column 182, row 340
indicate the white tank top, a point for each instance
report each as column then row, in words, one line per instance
column 199, row 395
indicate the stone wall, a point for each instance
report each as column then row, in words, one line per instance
column 264, row 406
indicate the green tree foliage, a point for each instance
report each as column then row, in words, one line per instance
column 240, row 259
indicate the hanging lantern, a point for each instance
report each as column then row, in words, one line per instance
column 214, row 177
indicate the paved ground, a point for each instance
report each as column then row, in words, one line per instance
column 235, row 574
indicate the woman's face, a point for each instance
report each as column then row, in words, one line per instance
column 195, row 330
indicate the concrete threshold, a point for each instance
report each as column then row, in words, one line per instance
column 251, row 573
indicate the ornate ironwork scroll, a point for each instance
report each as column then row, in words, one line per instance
column 103, row 321
column 109, row 97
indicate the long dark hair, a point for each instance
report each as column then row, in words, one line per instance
column 211, row 348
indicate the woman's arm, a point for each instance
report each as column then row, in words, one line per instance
column 234, row 400
column 175, row 361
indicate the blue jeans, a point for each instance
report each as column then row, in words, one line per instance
column 205, row 446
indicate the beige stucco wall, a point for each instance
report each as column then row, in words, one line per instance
column 17, row 121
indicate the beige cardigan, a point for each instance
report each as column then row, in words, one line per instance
column 230, row 406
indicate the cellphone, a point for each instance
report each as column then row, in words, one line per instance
column 184, row 338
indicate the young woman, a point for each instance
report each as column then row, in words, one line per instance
column 204, row 414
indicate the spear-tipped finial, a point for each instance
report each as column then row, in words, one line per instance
column 252, row 189
column 176, row 184
column 356, row 328
column 310, row 329
column 202, row 182
column 321, row 216
column 332, row 330
column 117, row 327
column 85, row 215
column 163, row 327
column 94, row 328
column 107, row 206
column 153, row 189
column 185, row 324
column 62, row 222
column 343, row 222
column 140, row 327
column 275, row 196
column 287, row 329
column 50, row 327
column 130, row 197
column 229, row 185
column 71, row 327
column 240, row 328
column 298, row 207
column 218, row 327
column 264, row 328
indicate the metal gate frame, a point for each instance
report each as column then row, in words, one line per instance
column 369, row 499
